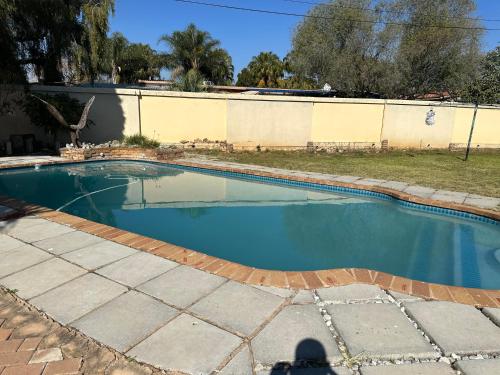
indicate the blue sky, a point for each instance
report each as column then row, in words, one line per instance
column 242, row 34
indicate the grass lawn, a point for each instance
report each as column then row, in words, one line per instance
column 438, row 169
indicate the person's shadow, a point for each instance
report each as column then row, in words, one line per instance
column 310, row 359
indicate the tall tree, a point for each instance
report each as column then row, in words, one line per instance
column 264, row 70
column 439, row 48
column 194, row 49
column 342, row 44
column 486, row 87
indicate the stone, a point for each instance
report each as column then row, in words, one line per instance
column 281, row 292
column 182, row 286
column 16, row 225
column 449, row 196
column 47, row 355
column 298, row 332
column 99, row 254
column 353, row 292
column 240, row 364
column 395, row 185
column 67, row 242
column 370, row 182
column 41, row 231
column 431, row 368
column 72, row 300
column 42, row 277
column 379, row 331
column 493, row 314
column 420, row 191
column 186, row 344
column 67, row 366
column 479, row 366
column 483, row 202
column 402, row 297
column 124, row 367
column 303, row 297
column 136, row 269
column 126, row 320
column 346, row 178
column 8, row 243
column 237, row 307
column 456, row 328
column 16, row 259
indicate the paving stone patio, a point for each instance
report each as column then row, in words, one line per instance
column 175, row 318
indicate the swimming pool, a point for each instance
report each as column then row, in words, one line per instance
column 247, row 220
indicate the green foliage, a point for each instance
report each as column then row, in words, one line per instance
column 194, row 49
column 70, row 108
column 192, row 81
column 264, row 70
column 132, row 61
column 486, row 87
column 141, row 141
column 392, row 51
column 58, row 39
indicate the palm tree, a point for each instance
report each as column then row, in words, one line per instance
column 194, row 49
column 267, row 68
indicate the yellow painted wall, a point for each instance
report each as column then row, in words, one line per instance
column 404, row 126
column 346, row 122
column 172, row 119
column 268, row 123
column 486, row 129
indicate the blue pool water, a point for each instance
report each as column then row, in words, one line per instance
column 266, row 225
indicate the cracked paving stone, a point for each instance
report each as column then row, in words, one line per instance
column 409, row 369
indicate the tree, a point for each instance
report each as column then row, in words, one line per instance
column 437, row 52
column 194, row 49
column 342, row 44
column 264, row 70
column 486, row 87
column 45, row 36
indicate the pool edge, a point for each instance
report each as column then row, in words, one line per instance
column 281, row 279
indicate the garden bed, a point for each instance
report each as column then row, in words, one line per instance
column 120, row 152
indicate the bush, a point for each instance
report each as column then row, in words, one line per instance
column 141, row 141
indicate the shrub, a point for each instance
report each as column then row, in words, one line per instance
column 141, row 141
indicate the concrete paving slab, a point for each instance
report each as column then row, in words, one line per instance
column 137, row 269
column 483, row 202
column 449, row 196
column 303, row 297
column 395, row 185
column 456, row 328
column 70, row 301
column 370, row 182
column 493, row 314
column 186, row 344
column 237, row 307
column 379, row 330
column 479, row 366
column 126, row 320
column 402, row 297
column 410, row 369
column 298, row 332
column 241, row 364
column 182, row 286
column 67, row 242
column 99, row 254
column 8, row 243
column 19, row 224
column 42, row 277
column 307, row 371
column 346, row 178
column 420, row 191
column 41, row 231
column 352, row 293
column 21, row 257
column 281, row 292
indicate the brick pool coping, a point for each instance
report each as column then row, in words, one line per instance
column 280, row 279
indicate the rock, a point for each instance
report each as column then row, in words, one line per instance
column 115, row 143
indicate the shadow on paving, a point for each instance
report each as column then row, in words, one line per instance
column 306, row 350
